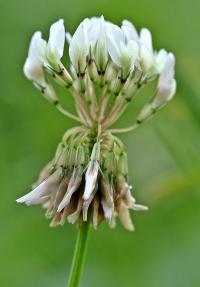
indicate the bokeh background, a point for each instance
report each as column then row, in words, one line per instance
column 163, row 154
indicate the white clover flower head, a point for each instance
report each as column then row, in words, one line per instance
column 108, row 66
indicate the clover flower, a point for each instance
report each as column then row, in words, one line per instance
column 87, row 179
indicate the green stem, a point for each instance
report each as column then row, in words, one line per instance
column 79, row 255
column 124, row 130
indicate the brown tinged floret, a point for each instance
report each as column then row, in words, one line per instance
column 85, row 179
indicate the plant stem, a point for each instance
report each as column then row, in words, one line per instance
column 79, row 255
column 124, row 130
column 68, row 114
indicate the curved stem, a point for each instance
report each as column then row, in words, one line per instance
column 103, row 104
column 113, row 107
column 124, row 130
column 79, row 255
column 135, row 125
column 115, row 116
column 81, row 105
column 68, row 114
column 81, row 115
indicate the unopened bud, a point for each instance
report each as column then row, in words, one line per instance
column 123, row 164
column 129, row 88
column 64, row 74
column 62, row 157
column 80, row 156
column 50, row 94
column 110, row 162
column 71, row 157
column 59, row 151
column 145, row 113
column 116, row 84
column 92, row 70
column 110, row 73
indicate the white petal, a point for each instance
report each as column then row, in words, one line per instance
column 115, row 37
column 41, row 47
column 79, row 47
column 166, row 84
column 89, row 186
column 113, row 50
column 165, row 93
column 33, row 71
column 74, row 184
column 93, row 29
column 68, row 37
column 33, row 66
column 73, row 54
column 56, row 40
column 115, row 32
column 160, row 59
column 35, row 194
column 33, row 51
column 168, row 70
column 146, row 39
column 129, row 31
column 133, row 49
column 98, row 44
column 66, row 200
column 173, row 90
column 40, row 200
column 43, row 189
column 90, row 179
column 146, row 58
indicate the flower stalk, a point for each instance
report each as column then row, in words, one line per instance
column 79, row 255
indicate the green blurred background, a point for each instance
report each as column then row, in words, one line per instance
column 163, row 154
